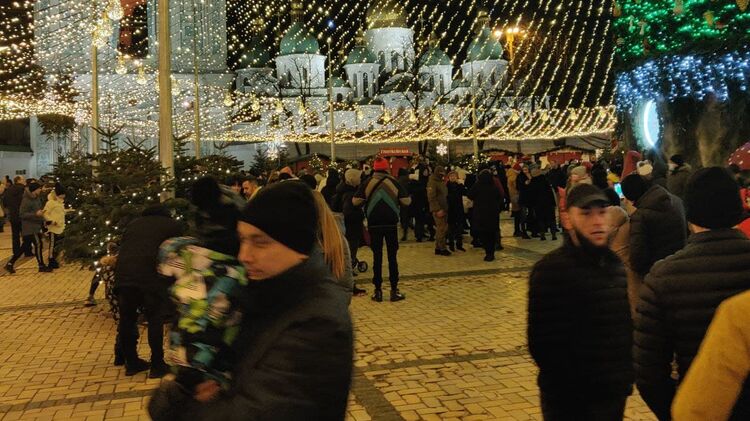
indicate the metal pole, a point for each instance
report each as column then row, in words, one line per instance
column 196, row 86
column 474, row 125
column 94, row 99
column 330, row 106
column 166, row 147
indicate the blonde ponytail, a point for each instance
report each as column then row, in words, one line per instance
column 330, row 237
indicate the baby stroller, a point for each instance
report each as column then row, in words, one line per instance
column 104, row 272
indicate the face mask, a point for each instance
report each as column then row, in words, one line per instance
column 672, row 166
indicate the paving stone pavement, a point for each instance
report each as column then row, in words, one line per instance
column 453, row 350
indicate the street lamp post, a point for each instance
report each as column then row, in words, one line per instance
column 166, row 148
column 196, row 87
column 94, row 99
column 330, row 105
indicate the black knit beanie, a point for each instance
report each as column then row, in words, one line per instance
column 285, row 211
column 713, row 199
column 633, row 187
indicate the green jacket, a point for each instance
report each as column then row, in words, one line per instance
column 437, row 193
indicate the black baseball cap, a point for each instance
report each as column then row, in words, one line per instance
column 586, row 196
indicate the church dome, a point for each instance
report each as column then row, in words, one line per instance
column 360, row 55
column 485, row 47
column 386, row 14
column 254, row 54
column 435, row 57
column 337, row 82
column 298, row 40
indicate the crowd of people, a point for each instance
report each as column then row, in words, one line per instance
column 649, row 286
column 648, row 290
column 36, row 212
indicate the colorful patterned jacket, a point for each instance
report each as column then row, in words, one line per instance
column 209, row 292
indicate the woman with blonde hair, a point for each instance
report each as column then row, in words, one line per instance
column 334, row 244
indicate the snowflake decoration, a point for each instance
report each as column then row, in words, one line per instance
column 276, row 147
column 442, row 149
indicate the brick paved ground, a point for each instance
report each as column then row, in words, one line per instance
column 455, row 349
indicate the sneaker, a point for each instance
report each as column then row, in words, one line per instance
column 158, row 370
column 397, row 296
column 45, row 269
column 90, row 302
column 135, row 368
column 358, row 292
column 378, row 295
column 9, row 268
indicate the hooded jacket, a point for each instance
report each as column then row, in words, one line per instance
column 657, row 228
column 296, row 351
column 31, row 223
column 580, row 331
column 677, row 302
column 54, row 213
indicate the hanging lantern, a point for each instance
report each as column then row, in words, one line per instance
column 115, row 11
column 141, row 79
column 679, row 7
column 121, row 68
column 709, row 16
column 742, row 4
column 228, row 100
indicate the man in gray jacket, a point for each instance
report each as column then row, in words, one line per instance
column 32, row 221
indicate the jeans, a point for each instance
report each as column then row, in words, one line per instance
column 377, row 236
column 587, row 409
column 130, row 299
column 441, row 226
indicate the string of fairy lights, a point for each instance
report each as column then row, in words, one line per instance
column 567, row 101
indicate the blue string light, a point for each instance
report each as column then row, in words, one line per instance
column 688, row 76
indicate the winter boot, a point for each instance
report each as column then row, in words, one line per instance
column 378, row 295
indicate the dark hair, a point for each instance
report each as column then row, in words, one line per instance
column 599, row 177
column 310, row 181
column 206, row 193
column 734, row 169
column 233, row 180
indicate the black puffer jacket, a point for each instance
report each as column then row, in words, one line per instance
column 677, row 303
column 580, row 331
column 657, row 228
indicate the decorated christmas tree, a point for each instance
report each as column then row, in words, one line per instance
column 683, row 83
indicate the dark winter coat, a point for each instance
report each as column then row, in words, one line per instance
column 657, row 229
column 383, row 197
column 31, row 223
column 139, row 249
column 580, row 330
column 677, row 180
column 540, row 195
column 330, row 188
column 353, row 215
column 677, row 302
column 456, row 193
column 557, row 178
column 12, row 200
column 296, row 346
column 523, row 189
column 488, row 202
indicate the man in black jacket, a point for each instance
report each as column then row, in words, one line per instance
column 657, row 228
column 681, row 293
column 12, row 201
column 137, row 284
column 580, row 329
